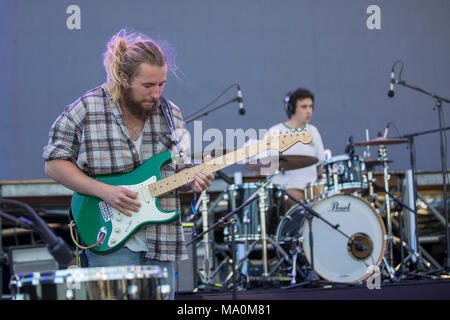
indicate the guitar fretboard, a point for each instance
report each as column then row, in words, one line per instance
column 178, row 180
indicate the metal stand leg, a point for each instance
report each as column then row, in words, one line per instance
column 390, row 254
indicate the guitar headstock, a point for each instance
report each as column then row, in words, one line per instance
column 284, row 141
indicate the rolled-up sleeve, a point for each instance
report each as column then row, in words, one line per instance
column 63, row 138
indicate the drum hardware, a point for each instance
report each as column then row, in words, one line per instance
column 232, row 221
column 262, row 235
column 413, row 255
column 370, row 165
column 225, row 220
column 382, row 156
column 206, row 242
column 381, row 142
column 262, row 219
column 209, row 245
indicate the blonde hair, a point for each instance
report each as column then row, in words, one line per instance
column 124, row 53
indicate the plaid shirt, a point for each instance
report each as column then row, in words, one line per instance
column 91, row 134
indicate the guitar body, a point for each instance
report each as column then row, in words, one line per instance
column 94, row 217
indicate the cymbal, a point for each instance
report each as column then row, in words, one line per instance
column 370, row 163
column 380, row 141
column 214, row 153
column 286, row 162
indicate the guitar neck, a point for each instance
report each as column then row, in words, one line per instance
column 178, row 180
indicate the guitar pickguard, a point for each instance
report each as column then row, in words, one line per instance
column 123, row 225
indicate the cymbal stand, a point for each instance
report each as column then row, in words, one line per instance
column 262, row 220
column 264, row 237
column 382, row 155
column 206, row 242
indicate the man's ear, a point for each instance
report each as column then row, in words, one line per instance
column 124, row 80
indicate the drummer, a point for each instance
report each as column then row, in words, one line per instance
column 299, row 107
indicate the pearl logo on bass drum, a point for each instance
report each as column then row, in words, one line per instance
column 337, row 207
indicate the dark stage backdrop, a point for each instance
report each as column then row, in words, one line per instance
column 51, row 53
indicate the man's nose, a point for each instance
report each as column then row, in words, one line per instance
column 155, row 93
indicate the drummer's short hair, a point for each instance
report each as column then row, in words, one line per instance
column 293, row 96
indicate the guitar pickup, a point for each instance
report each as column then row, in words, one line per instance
column 146, row 194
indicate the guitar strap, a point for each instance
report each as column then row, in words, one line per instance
column 167, row 111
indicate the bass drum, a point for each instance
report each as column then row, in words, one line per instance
column 336, row 258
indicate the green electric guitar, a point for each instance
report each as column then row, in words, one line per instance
column 104, row 229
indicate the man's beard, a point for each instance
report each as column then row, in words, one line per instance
column 136, row 108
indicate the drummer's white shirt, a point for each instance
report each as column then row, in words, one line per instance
column 299, row 178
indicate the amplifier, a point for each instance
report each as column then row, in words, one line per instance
column 186, row 270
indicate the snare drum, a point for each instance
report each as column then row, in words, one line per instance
column 315, row 190
column 100, row 283
column 345, row 174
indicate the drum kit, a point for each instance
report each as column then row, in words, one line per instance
column 335, row 233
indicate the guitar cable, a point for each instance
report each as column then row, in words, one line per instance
column 99, row 241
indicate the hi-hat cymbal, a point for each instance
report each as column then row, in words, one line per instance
column 380, row 141
column 370, row 163
column 214, row 153
column 284, row 162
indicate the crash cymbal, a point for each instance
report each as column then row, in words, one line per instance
column 380, row 141
column 284, row 162
column 214, row 153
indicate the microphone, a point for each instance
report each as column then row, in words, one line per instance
column 240, row 100
column 391, row 86
column 350, row 148
column 386, row 130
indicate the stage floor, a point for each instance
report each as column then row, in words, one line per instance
column 405, row 290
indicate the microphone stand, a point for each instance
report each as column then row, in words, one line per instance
column 56, row 246
column 438, row 104
column 410, row 138
column 237, row 99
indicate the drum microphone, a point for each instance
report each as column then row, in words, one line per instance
column 350, row 148
column 391, row 86
column 386, row 130
column 240, row 100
